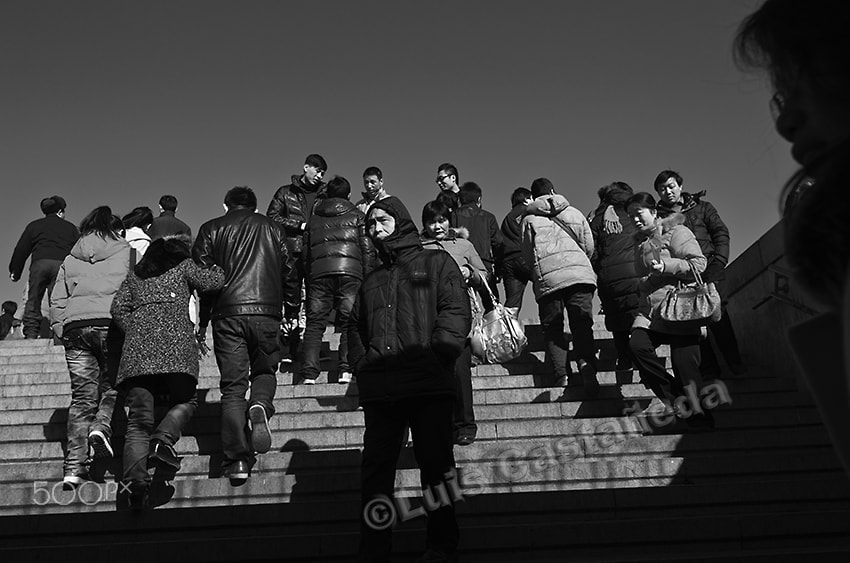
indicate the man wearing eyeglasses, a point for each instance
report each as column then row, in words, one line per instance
column 291, row 208
column 447, row 180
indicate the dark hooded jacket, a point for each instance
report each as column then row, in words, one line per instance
column 614, row 262
column 711, row 232
column 151, row 307
column 336, row 243
column 484, row 233
column 290, row 207
column 410, row 321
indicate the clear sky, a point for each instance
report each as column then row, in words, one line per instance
column 118, row 103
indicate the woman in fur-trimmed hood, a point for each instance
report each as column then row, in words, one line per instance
column 665, row 254
column 160, row 355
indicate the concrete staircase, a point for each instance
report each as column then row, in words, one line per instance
column 553, row 476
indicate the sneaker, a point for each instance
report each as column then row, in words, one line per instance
column 99, row 445
column 73, row 480
column 588, row 378
column 303, row 380
column 237, row 471
column 261, row 436
column 164, row 453
column 345, row 377
column 624, row 364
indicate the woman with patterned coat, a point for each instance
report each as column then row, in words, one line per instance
column 160, row 354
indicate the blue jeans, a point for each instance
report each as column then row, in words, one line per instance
column 323, row 295
column 92, row 362
column 246, row 351
column 42, row 277
column 141, row 398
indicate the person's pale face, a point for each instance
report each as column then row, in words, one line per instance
column 670, row 191
column 313, row 175
column 812, row 122
column 381, row 224
column 643, row 217
column 373, row 185
column 438, row 228
column 446, row 181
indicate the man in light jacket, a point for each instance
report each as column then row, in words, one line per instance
column 557, row 243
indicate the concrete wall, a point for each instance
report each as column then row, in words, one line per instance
column 764, row 301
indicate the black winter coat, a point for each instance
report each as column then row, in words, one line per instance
column 410, row 321
column 484, row 233
column 614, row 262
column 711, row 232
column 252, row 252
column 335, row 242
column 290, row 207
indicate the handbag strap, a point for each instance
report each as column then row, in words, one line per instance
column 560, row 222
column 697, row 275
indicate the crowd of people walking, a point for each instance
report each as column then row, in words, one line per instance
column 132, row 297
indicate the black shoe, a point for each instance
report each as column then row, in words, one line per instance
column 237, row 471
column 261, row 436
column 138, row 498
column 588, row 378
column 624, row 364
column 164, row 453
column 465, row 437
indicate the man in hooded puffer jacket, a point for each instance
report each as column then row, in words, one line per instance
column 557, row 243
column 409, row 325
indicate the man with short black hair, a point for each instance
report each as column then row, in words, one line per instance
column 373, row 186
column 712, row 234
column 49, row 240
column 246, row 319
column 484, row 233
column 338, row 254
column 513, row 270
column 447, row 180
column 291, row 208
column 167, row 224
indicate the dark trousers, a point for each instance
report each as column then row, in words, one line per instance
column 42, row 277
column 92, row 354
column 323, row 295
column 430, row 421
column 142, row 392
column 464, row 415
column 684, row 355
column 515, row 276
column 621, row 345
column 724, row 336
column 292, row 286
column 246, row 351
column 578, row 302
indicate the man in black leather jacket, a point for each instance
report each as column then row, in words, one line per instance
column 246, row 317
column 291, row 208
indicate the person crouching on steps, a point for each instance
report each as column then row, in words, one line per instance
column 160, row 355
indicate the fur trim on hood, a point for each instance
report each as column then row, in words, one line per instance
column 162, row 255
column 661, row 225
column 454, row 232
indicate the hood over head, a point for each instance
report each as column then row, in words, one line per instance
column 403, row 238
column 93, row 248
column 548, row 205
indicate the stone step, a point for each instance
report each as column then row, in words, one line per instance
column 527, row 404
column 274, row 479
column 539, row 452
column 293, row 431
